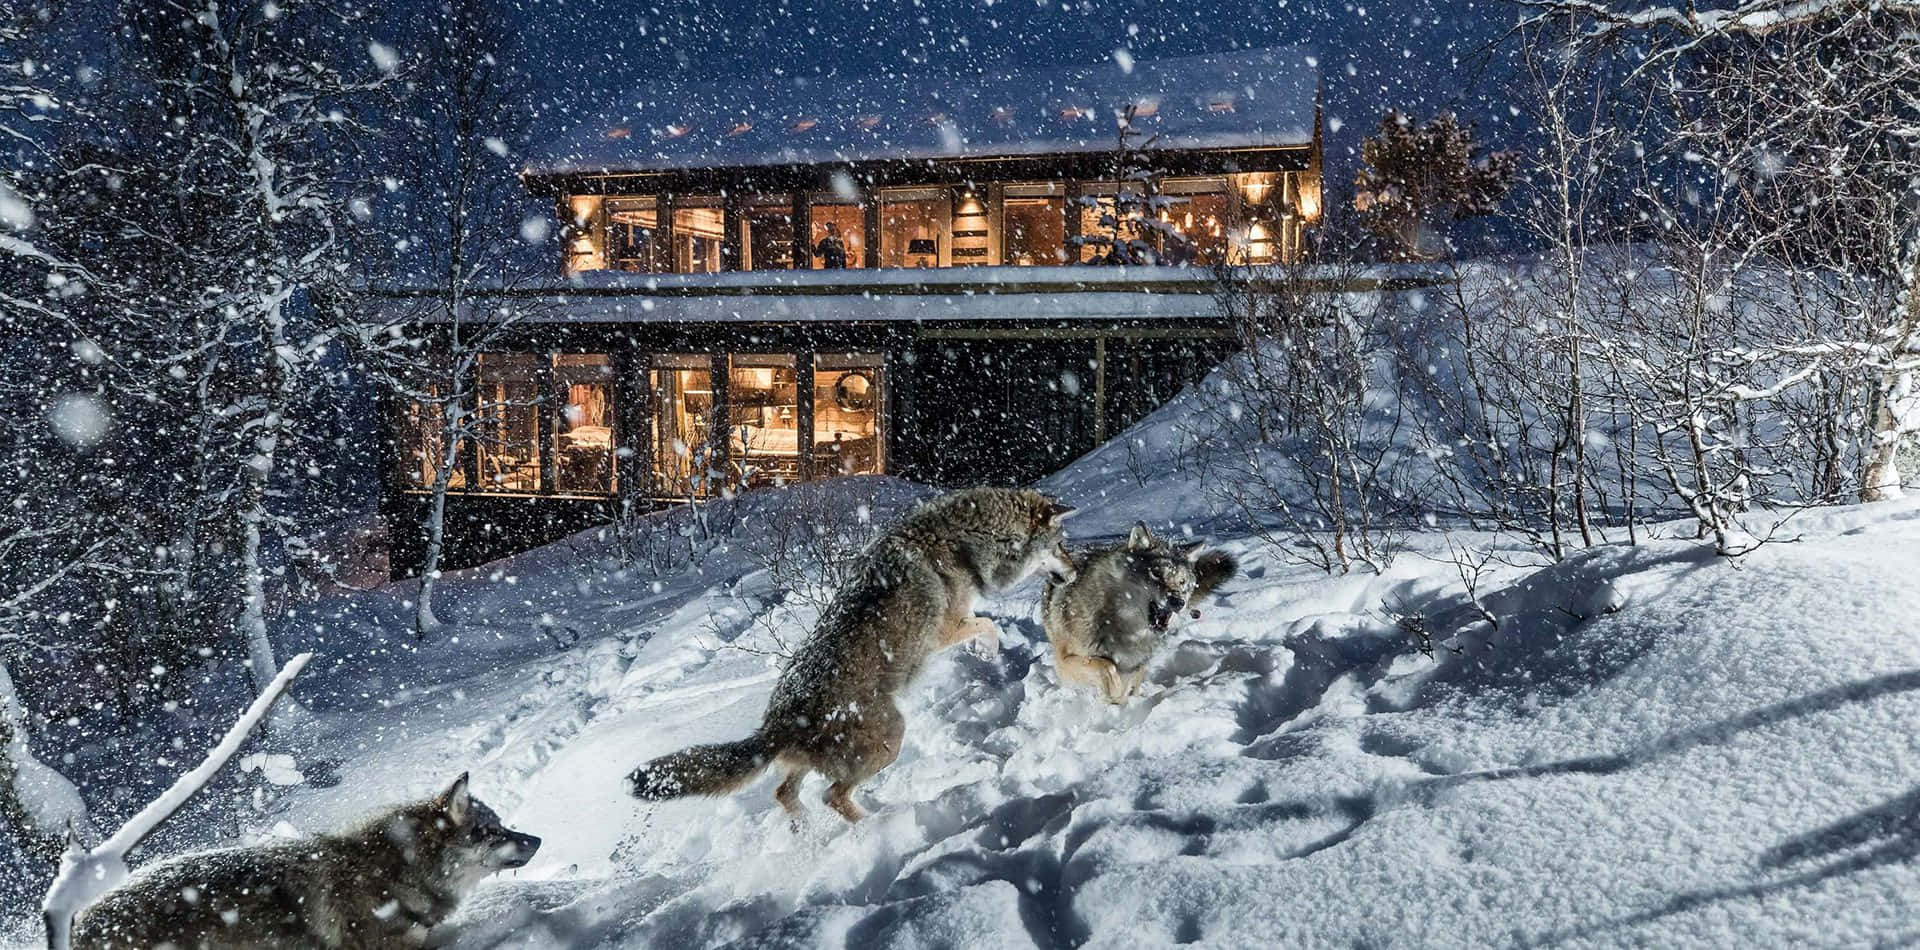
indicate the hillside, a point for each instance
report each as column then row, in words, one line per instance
column 1723, row 759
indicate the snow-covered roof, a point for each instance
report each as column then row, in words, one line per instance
column 1245, row 99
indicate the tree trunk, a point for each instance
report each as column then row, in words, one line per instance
column 424, row 621
column 1881, row 481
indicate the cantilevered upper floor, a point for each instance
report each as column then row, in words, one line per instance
column 1020, row 168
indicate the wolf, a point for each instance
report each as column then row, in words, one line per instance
column 380, row 886
column 1106, row 621
column 910, row 593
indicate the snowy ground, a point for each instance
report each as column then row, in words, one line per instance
column 1726, row 759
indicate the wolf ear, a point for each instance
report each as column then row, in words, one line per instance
column 455, row 801
column 1190, row 549
column 1140, row 538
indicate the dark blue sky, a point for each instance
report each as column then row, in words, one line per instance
column 1417, row 54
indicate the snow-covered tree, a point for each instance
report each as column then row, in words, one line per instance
column 1127, row 226
column 1807, row 115
column 207, row 204
column 457, row 218
column 43, row 547
column 1418, row 176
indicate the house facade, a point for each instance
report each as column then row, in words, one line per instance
column 957, row 281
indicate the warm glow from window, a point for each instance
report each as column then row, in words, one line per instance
column 740, row 128
column 1310, row 200
column 619, row 132
column 1146, row 107
column 1256, row 186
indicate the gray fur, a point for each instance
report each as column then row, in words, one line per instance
column 1106, row 623
column 911, row 593
column 380, row 886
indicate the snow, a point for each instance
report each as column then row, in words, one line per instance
column 85, row 873
column 1245, row 99
column 1654, row 747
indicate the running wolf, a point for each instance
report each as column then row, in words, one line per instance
column 1107, row 621
column 911, row 593
column 381, row 886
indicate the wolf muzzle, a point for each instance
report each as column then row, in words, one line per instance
column 518, row 850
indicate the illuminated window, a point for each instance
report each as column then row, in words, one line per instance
column 698, row 225
column 1196, row 210
column 583, row 442
column 683, row 456
column 766, row 236
column 424, row 434
column 839, row 236
column 508, row 408
column 762, row 413
column 912, row 226
column 1036, row 228
column 632, row 235
column 849, row 400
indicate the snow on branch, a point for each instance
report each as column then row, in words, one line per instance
column 85, row 875
column 1752, row 18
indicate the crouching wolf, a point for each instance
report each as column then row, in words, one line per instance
column 910, row 593
column 1106, row 623
column 381, row 886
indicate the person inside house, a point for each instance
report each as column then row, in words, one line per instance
column 831, row 250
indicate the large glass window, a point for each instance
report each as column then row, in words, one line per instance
column 697, row 230
column 1035, row 234
column 848, row 401
column 1197, row 210
column 912, row 227
column 631, row 231
column 509, row 414
column 682, row 423
column 1105, row 221
column 583, row 443
column 839, row 235
column 766, row 236
column 763, row 415
column 585, row 244
column 424, row 434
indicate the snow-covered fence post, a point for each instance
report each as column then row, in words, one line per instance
column 87, row 874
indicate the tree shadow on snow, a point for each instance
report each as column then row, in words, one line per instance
column 1886, row 834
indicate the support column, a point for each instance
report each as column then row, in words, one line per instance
column 730, row 232
column 803, row 411
column 720, row 428
column 1071, row 202
column 546, row 423
column 470, row 456
column 1100, row 390
column 632, row 435
column 802, row 231
column 664, row 260
column 871, row 229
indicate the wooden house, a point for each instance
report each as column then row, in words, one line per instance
column 957, row 280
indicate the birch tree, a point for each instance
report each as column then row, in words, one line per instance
column 1815, row 106
column 458, row 215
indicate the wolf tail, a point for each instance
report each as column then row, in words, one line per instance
column 1210, row 570
column 704, row 769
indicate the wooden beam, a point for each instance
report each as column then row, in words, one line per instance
column 803, row 411
column 802, row 230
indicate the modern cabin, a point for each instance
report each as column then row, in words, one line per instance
column 955, row 280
